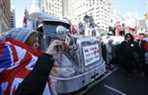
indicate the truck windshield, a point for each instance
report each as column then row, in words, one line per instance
column 54, row 30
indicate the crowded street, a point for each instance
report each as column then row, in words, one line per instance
column 73, row 47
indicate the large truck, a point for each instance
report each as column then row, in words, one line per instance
column 79, row 64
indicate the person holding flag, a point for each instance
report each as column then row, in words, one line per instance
column 24, row 70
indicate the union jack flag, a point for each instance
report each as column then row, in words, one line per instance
column 5, row 58
column 17, row 60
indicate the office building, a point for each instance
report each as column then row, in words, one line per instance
column 100, row 10
column 53, row 7
column 12, row 19
column 4, row 15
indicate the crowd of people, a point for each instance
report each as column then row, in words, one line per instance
column 132, row 55
column 129, row 54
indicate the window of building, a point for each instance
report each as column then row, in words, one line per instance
column 93, row 2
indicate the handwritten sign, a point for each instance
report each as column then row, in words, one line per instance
column 91, row 54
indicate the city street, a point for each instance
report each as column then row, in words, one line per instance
column 73, row 47
column 117, row 83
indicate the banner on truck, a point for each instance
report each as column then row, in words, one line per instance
column 91, row 54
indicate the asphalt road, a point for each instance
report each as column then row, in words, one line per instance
column 117, row 83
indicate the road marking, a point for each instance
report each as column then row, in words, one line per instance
column 115, row 90
column 97, row 81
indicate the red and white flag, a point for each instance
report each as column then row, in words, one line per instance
column 20, row 61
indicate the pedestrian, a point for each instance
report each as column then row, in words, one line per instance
column 127, row 54
column 141, row 53
column 24, row 70
column 109, row 54
column 103, row 50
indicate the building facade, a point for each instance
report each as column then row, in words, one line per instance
column 38, row 3
column 142, row 26
column 146, row 21
column 53, row 7
column 12, row 19
column 36, row 6
column 65, row 8
column 75, row 10
column 4, row 15
column 100, row 10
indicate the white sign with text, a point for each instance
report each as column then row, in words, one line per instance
column 91, row 54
